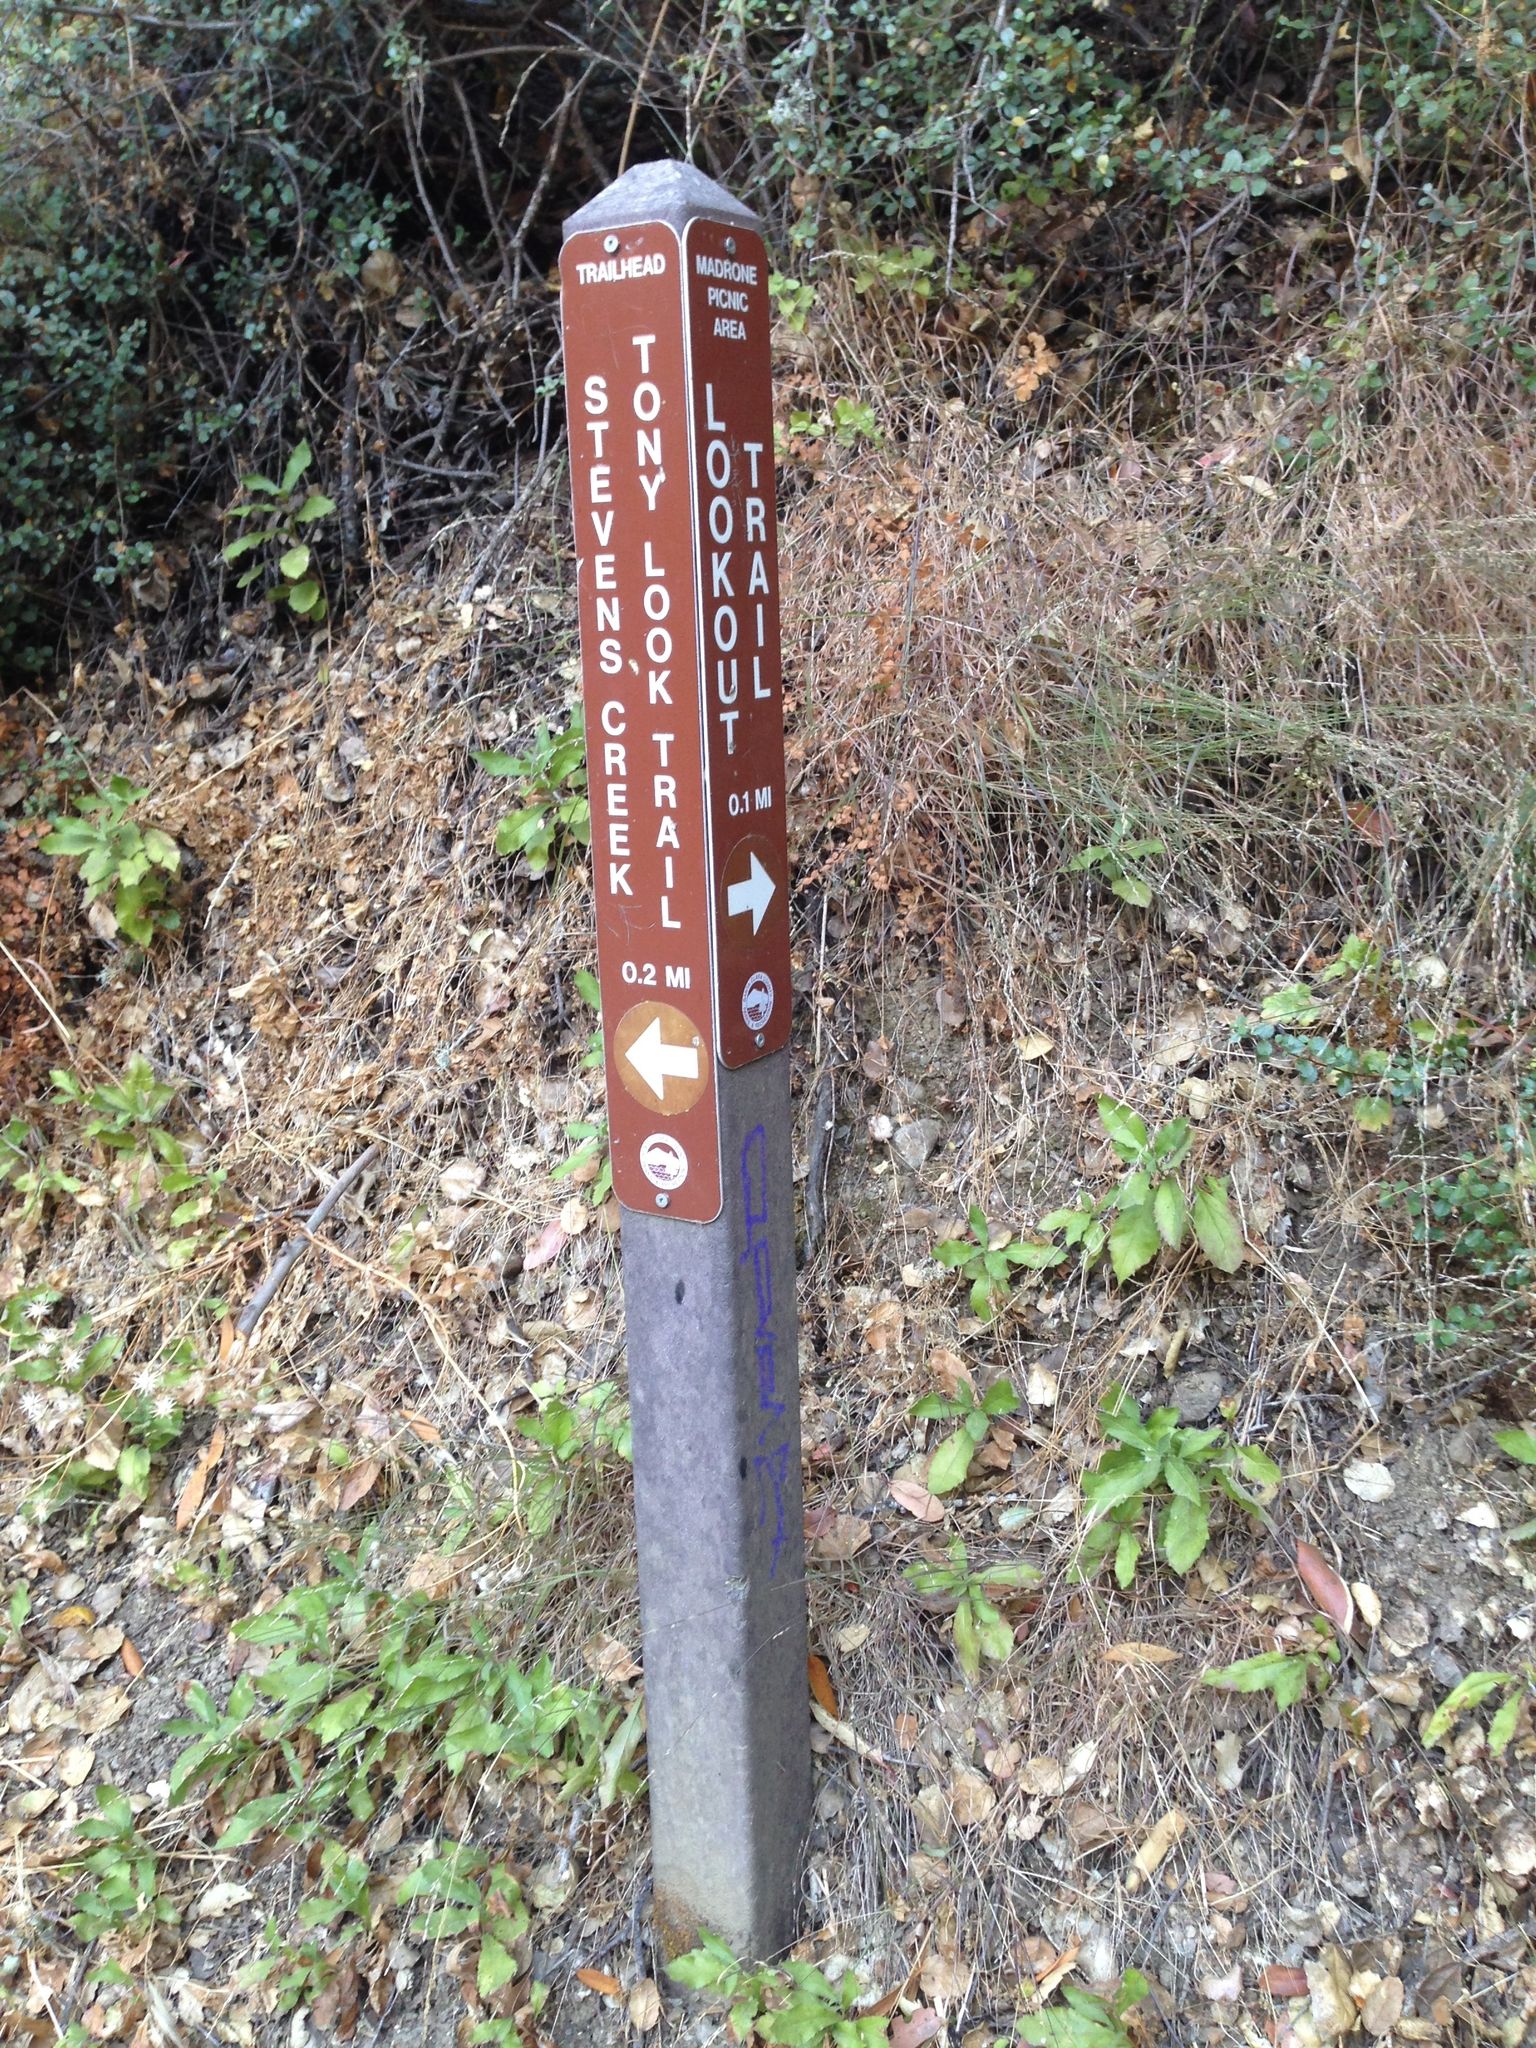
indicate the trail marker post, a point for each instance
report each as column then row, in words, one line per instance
column 665, row 314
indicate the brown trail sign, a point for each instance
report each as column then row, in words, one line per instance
column 665, row 316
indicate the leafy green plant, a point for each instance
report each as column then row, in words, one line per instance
column 1373, row 1079
column 1085, row 2020
column 470, row 1895
column 1153, row 1205
column 280, row 546
column 794, row 2004
column 792, row 299
column 1519, row 1444
column 123, row 1117
column 987, row 1259
column 1480, row 1221
column 1118, row 864
column 975, row 1414
column 593, row 1421
column 124, row 863
column 590, row 1137
column 297, row 1972
column 360, row 1677
column 980, row 1630
column 27, row 1171
column 1477, row 1686
column 1160, row 1482
column 556, row 814
column 849, row 421
column 123, row 1892
column 1287, row 1674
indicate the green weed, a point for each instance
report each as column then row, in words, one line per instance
column 123, row 863
column 980, row 1630
column 368, row 1684
column 1477, row 1686
column 556, row 814
column 123, row 1117
column 987, row 1259
column 1154, row 1205
column 1160, row 1483
column 793, row 2003
column 1085, row 2020
column 1480, row 1221
column 291, row 512
column 123, row 1890
column 1288, row 1674
column 1118, row 864
column 952, row 1460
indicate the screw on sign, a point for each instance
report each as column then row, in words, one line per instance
column 665, row 312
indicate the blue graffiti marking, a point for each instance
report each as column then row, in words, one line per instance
column 771, row 1463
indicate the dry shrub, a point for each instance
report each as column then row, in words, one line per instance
column 1315, row 688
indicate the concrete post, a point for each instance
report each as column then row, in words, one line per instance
column 665, row 314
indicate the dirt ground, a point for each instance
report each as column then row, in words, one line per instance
column 357, row 969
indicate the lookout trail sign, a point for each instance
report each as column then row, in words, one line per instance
column 665, row 314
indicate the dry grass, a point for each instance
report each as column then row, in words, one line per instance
column 1315, row 689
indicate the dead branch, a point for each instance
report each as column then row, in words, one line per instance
column 296, row 1247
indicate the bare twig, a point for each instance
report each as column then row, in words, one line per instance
column 296, row 1247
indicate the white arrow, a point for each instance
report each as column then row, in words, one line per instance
column 656, row 1062
column 754, row 894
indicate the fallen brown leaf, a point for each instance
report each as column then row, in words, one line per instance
column 546, row 1247
column 359, row 1482
column 1333, row 1597
column 133, row 1663
column 913, row 1498
column 644, row 2006
column 916, row 2031
column 1156, row 1846
column 599, row 1980
column 1140, row 1653
column 1283, row 1980
column 197, row 1481
column 821, row 1685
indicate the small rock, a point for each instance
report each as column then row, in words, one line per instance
column 914, row 1142
column 1453, row 1618
column 1514, row 1846
column 1196, row 1394
column 1444, row 1669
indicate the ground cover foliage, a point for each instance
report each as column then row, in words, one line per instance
column 228, row 233
column 1158, row 634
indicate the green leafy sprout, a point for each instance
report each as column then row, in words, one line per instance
column 127, row 864
column 987, row 1258
column 1287, row 1674
column 975, row 1414
column 1160, row 1483
column 1517, row 1686
column 290, row 512
column 1083, row 2019
column 1153, row 1206
column 980, row 1629
column 793, row 2004
column 556, row 814
column 1118, row 864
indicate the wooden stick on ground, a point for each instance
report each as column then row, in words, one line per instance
column 296, row 1247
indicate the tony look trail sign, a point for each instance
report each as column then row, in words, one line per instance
column 665, row 314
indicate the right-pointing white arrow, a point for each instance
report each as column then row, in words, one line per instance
column 754, row 894
column 656, row 1062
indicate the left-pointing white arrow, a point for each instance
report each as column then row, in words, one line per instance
column 656, row 1062
column 754, row 894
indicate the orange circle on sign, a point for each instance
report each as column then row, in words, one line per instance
column 661, row 1057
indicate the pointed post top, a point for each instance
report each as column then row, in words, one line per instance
column 666, row 191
